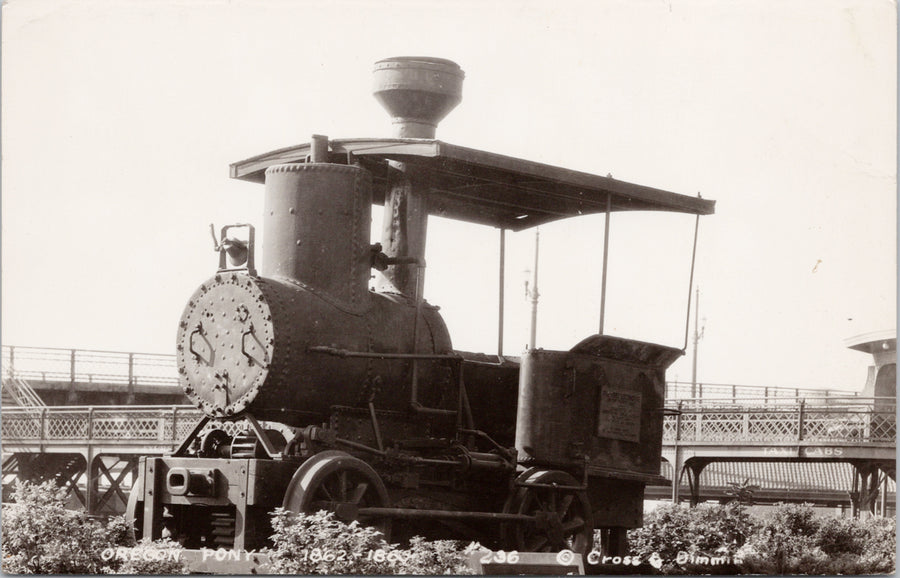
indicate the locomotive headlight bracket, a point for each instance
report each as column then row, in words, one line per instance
column 235, row 254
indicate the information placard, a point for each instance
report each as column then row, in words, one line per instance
column 620, row 415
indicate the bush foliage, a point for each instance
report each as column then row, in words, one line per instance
column 320, row 544
column 791, row 539
column 40, row 536
column 678, row 534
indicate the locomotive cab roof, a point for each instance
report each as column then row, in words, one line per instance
column 486, row 188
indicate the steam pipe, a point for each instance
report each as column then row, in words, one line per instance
column 318, row 149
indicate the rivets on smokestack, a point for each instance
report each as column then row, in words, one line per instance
column 418, row 92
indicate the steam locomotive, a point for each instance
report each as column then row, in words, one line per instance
column 319, row 392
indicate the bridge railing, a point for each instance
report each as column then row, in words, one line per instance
column 870, row 420
column 49, row 364
column 88, row 366
column 103, row 423
column 857, row 420
column 723, row 392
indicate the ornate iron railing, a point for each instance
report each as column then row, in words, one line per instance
column 867, row 420
column 855, row 421
column 110, row 425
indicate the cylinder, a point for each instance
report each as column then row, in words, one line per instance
column 316, row 227
column 255, row 344
column 546, row 408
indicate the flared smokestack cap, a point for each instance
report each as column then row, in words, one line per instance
column 418, row 92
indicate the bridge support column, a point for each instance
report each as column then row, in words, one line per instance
column 114, row 470
column 677, row 467
column 693, row 469
column 72, row 395
column 866, row 481
column 91, row 482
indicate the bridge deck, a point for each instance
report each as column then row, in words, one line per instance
column 729, row 423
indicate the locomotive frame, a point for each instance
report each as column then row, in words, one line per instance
column 331, row 396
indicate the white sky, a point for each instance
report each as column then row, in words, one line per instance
column 119, row 120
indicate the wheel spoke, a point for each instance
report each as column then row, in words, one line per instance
column 342, row 485
column 359, row 492
column 537, row 543
column 333, row 481
column 561, row 514
column 324, row 489
column 552, row 507
column 573, row 526
column 565, row 505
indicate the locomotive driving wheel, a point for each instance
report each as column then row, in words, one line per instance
column 337, row 482
column 562, row 512
column 134, row 511
column 134, row 514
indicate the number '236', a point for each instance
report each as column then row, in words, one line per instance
column 500, row 557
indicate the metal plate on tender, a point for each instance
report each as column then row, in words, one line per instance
column 620, row 415
column 628, row 350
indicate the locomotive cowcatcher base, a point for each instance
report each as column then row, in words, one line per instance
column 321, row 393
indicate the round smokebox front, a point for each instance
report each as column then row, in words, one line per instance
column 225, row 344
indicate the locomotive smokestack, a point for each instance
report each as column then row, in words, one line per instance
column 418, row 92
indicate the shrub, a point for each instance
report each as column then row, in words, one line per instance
column 858, row 546
column 880, row 554
column 841, row 536
column 793, row 540
column 795, row 519
column 666, row 531
column 436, row 557
column 320, row 544
column 743, row 492
column 40, row 536
column 677, row 535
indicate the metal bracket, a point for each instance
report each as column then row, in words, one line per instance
column 228, row 246
column 262, row 437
